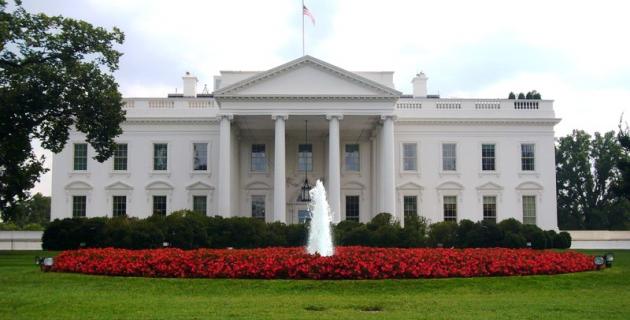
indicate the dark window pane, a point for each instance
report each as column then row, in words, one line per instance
column 259, row 158
column 410, row 206
column 120, row 157
column 305, row 157
column 258, row 207
column 352, row 208
column 80, row 156
column 119, row 206
column 490, row 208
column 352, row 157
column 78, row 206
column 159, row 205
column 200, row 204
column 160, row 156
column 200, row 156
column 488, row 157
column 450, row 208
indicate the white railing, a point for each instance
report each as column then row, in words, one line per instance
column 473, row 107
column 168, row 103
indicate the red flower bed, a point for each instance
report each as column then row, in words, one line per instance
column 347, row 263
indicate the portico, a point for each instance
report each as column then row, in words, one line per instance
column 277, row 103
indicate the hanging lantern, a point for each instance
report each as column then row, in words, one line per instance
column 305, row 196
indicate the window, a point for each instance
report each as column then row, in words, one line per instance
column 352, row 158
column 450, row 208
column 304, row 216
column 159, row 205
column 410, row 206
column 80, row 156
column 305, row 157
column 258, row 207
column 120, row 206
column 78, row 206
column 200, row 204
column 160, row 156
column 529, row 210
column 449, row 157
column 200, row 157
column 528, row 157
column 490, row 208
column 259, row 158
column 352, row 208
column 488, row 157
column 410, row 157
column 120, row 157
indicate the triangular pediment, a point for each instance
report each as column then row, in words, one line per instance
column 490, row 186
column 199, row 186
column 529, row 185
column 409, row 186
column 258, row 186
column 78, row 185
column 159, row 185
column 306, row 77
column 450, row 185
column 119, row 185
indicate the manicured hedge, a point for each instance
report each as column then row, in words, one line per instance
column 188, row 230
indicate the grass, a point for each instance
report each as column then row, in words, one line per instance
column 27, row 293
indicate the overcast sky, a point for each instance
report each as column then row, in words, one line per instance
column 574, row 52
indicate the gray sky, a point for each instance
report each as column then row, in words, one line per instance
column 574, row 52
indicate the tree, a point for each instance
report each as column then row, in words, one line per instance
column 55, row 74
column 586, row 177
column 34, row 210
column 623, row 137
column 511, row 96
column 521, row 96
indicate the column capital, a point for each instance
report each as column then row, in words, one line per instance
column 228, row 116
column 384, row 117
column 277, row 116
column 330, row 116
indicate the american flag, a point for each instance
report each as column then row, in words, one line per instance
column 307, row 13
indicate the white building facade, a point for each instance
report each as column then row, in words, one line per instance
column 246, row 148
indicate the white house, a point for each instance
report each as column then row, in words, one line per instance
column 244, row 150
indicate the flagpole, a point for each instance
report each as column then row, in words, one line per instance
column 302, row 11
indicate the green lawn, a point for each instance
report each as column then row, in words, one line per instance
column 27, row 293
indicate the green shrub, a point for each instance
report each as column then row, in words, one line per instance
column 144, row 234
column 535, row 236
column 563, row 240
column 510, row 225
column 443, row 234
column 513, row 240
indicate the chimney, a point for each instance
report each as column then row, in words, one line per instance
column 190, row 85
column 420, row 85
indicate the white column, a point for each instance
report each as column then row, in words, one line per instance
column 388, row 168
column 334, row 171
column 224, row 189
column 279, row 171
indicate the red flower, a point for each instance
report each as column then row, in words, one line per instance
column 347, row 263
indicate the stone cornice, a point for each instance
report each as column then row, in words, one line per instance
column 481, row 121
column 305, row 98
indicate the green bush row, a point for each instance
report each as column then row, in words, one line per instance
column 188, row 230
column 10, row 226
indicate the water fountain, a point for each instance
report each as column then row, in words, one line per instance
column 319, row 236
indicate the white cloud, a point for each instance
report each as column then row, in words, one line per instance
column 581, row 48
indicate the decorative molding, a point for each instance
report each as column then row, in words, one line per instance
column 78, row 185
column 159, row 185
column 338, row 116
